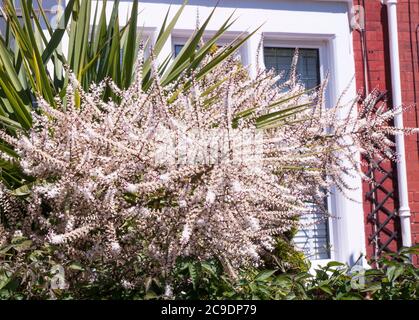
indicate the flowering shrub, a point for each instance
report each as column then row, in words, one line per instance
column 214, row 166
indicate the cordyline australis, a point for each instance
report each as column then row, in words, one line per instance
column 213, row 166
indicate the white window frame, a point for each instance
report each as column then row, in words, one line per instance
column 323, row 43
column 180, row 37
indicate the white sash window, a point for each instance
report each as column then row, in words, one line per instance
column 314, row 238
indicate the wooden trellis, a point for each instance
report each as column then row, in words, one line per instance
column 382, row 197
column 383, row 217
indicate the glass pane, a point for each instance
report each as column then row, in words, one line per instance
column 178, row 48
column 308, row 67
column 16, row 4
column 313, row 238
column 2, row 26
column 2, row 21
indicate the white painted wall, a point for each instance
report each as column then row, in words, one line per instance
column 324, row 24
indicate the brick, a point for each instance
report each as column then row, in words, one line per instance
column 379, row 76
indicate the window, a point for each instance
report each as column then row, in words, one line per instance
column 308, row 67
column 178, row 48
column 2, row 26
column 3, row 23
column 179, row 40
column 145, row 35
column 313, row 239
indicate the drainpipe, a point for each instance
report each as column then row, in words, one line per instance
column 404, row 210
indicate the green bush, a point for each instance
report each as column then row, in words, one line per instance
column 397, row 278
column 285, row 256
column 27, row 273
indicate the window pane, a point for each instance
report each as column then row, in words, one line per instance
column 2, row 21
column 2, row 26
column 313, row 238
column 308, row 67
column 178, row 48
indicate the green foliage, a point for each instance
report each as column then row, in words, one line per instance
column 285, row 256
column 201, row 280
column 26, row 272
column 397, row 279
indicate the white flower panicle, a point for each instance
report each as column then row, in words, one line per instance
column 164, row 174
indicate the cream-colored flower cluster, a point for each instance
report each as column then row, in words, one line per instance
column 212, row 166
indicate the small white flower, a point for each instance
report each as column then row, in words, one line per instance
column 236, row 186
column 70, row 224
column 126, row 284
column 53, row 192
column 200, row 222
column 17, row 233
column 66, row 155
column 115, row 247
column 253, row 253
column 168, row 291
column 182, row 204
column 56, row 238
column 268, row 245
column 186, row 233
column 189, row 141
column 165, row 177
column 90, row 133
column 210, row 198
column 132, row 137
column 131, row 188
column 254, row 224
column 24, row 142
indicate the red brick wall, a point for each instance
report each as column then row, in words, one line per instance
column 379, row 76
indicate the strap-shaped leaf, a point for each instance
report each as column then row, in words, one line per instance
column 58, row 34
column 129, row 49
column 164, row 34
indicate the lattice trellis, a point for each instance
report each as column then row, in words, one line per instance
column 382, row 198
column 383, row 218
